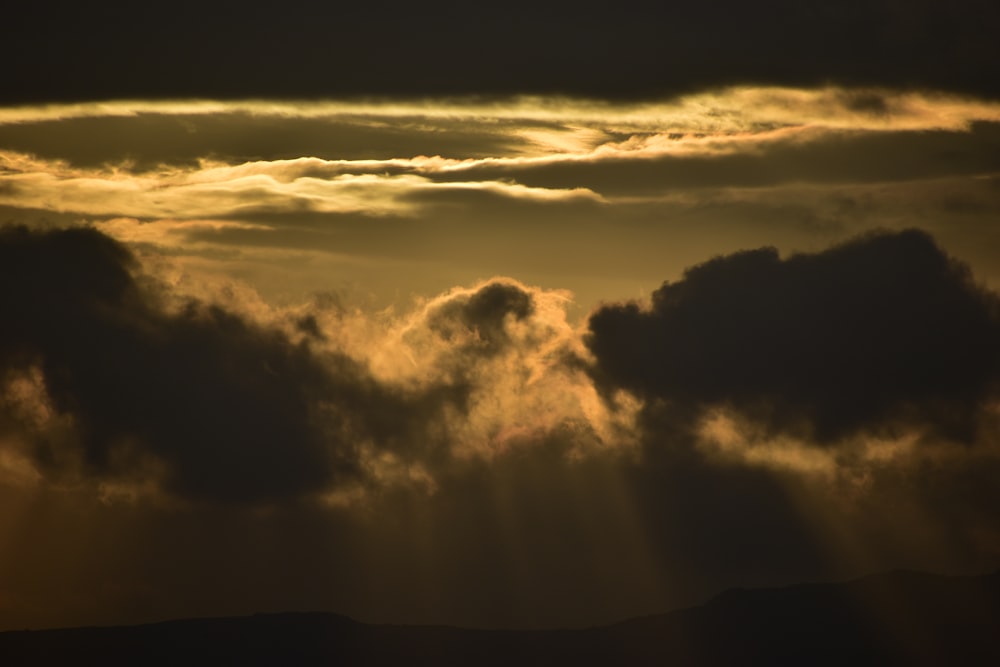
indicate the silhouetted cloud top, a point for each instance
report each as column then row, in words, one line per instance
column 879, row 333
column 483, row 314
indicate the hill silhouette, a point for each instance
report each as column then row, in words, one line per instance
column 897, row 618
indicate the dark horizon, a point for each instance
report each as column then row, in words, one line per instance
column 945, row 621
column 979, row 579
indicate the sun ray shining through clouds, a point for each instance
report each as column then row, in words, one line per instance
column 518, row 354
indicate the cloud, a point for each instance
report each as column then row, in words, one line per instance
column 121, row 378
column 247, row 190
column 455, row 132
column 825, row 412
column 660, row 166
column 112, row 376
column 573, row 474
column 508, row 347
column 484, row 315
column 470, row 159
column 880, row 335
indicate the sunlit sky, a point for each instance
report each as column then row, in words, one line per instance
column 492, row 354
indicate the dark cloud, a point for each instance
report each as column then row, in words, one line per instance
column 483, row 314
column 227, row 404
column 642, row 49
column 881, row 333
column 237, row 411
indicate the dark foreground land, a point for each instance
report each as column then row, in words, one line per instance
column 899, row 618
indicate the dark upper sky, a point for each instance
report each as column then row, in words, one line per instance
column 631, row 49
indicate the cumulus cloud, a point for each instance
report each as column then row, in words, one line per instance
column 110, row 375
column 747, row 425
column 829, row 410
column 881, row 335
column 510, row 348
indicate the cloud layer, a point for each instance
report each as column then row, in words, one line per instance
column 232, row 409
column 879, row 335
column 573, row 193
column 111, row 375
column 760, row 406
column 417, row 361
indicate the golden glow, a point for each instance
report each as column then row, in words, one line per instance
column 361, row 243
column 728, row 109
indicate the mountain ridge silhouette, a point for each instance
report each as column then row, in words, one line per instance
column 900, row 617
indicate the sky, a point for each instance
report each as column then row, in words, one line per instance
column 529, row 317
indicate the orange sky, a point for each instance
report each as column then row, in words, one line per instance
column 500, row 357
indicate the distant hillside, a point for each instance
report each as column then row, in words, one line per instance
column 898, row 618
